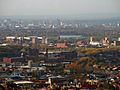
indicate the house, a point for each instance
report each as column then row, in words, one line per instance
column 61, row 45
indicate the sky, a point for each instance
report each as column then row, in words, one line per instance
column 81, row 8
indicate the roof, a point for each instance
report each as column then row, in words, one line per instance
column 23, row 82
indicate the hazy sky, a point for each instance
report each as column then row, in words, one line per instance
column 60, row 7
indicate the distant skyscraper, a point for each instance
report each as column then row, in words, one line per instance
column 60, row 23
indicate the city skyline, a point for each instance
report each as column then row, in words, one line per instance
column 68, row 8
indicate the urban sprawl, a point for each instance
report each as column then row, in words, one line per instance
column 59, row 54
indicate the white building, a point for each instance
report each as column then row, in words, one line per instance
column 95, row 43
